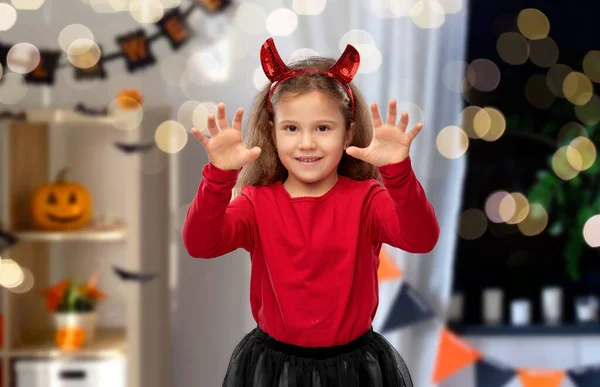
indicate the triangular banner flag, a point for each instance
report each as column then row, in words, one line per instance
column 489, row 373
column 585, row 376
column 408, row 308
column 387, row 267
column 541, row 378
column 453, row 355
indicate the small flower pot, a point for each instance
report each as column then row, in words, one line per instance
column 74, row 329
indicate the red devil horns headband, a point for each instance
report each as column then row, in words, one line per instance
column 342, row 71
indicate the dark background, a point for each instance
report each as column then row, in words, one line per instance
column 503, row 257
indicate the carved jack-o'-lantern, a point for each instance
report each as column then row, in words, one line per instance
column 130, row 99
column 61, row 205
column 70, row 338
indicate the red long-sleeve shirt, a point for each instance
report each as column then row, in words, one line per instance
column 314, row 259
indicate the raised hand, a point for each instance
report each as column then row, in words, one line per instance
column 391, row 142
column 225, row 148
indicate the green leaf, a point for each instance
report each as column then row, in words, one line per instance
column 572, row 253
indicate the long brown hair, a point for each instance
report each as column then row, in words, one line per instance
column 267, row 168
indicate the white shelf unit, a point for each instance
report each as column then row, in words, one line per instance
column 134, row 188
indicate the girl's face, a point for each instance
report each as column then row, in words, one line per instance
column 310, row 126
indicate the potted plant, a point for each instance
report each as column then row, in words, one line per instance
column 74, row 311
column 571, row 202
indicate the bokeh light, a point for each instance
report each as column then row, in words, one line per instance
column 489, row 124
column 566, row 162
column 586, row 151
column 125, row 119
column 23, row 58
column 513, row 48
column 492, row 206
column 71, row 33
column 591, row 231
column 427, row 14
column 473, row 224
column 281, row 22
column 555, row 78
column 483, row 75
column 251, row 18
column 309, row 7
column 84, row 53
column 535, row 222
column 533, row 24
column 578, row 88
column 146, row 11
column 29, row 5
column 591, row 65
column 452, row 142
column 171, row 136
column 589, row 113
column 570, row 131
column 8, row 16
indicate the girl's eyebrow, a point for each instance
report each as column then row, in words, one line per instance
column 316, row 121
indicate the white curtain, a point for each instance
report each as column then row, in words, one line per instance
column 421, row 69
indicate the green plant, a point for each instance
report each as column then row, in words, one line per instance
column 570, row 203
column 72, row 296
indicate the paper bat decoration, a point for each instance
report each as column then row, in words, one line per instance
column 7, row 240
column 131, row 148
column 7, row 115
column 130, row 276
column 81, row 108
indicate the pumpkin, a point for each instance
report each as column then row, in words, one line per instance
column 130, row 99
column 70, row 338
column 61, row 205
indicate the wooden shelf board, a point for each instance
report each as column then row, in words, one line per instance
column 116, row 233
column 67, row 116
column 108, row 343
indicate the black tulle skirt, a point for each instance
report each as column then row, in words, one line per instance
column 369, row 361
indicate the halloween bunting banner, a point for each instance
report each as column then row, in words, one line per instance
column 454, row 354
column 134, row 48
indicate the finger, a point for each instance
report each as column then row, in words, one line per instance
column 252, row 154
column 392, row 112
column 375, row 115
column 415, row 131
column 403, row 121
column 212, row 125
column 221, row 117
column 200, row 137
column 237, row 119
column 355, row 152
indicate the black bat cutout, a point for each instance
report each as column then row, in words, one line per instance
column 130, row 276
column 12, row 116
column 7, row 240
column 81, row 108
column 131, row 148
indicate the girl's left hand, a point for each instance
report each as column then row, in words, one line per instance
column 391, row 142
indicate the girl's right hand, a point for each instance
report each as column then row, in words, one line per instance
column 225, row 148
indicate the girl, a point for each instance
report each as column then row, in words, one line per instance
column 310, row 209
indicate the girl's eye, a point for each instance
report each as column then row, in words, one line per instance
column 290, row 127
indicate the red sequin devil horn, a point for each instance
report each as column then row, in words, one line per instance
column 342, row 71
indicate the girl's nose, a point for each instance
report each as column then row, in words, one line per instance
column 307, row 141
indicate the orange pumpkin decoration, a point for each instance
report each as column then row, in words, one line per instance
column 62, row 205
column 70, row 338
column 130, row 99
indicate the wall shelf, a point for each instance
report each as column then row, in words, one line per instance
column 92, row 234
column 130, row 225
column 529, row 330
column 109, row 343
